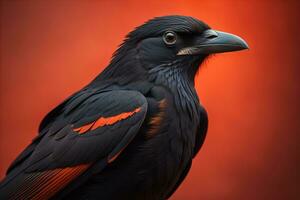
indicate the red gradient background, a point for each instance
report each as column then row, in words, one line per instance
column 50, row 49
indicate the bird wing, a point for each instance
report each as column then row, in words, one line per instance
column 92, row 128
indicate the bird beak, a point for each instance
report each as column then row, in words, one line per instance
column 212, row 41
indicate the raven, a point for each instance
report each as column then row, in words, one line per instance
column 133, row 131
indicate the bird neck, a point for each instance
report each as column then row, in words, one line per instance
column 180, row 80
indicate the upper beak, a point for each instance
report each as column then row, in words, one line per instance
column 212, row 41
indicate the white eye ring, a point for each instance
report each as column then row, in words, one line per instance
column 170, row 37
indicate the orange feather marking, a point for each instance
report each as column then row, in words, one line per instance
column 104, row 121
column 156, row 121
column 44, row 185
column 60, row 180
column 84, row 128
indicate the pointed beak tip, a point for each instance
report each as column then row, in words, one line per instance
column 244, row 45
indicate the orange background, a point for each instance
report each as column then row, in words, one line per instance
column 50, row 49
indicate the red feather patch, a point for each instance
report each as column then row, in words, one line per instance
column 104, row 121
column 44, row 185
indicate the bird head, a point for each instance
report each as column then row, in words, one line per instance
column 171, row 41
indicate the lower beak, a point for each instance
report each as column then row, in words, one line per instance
column 212, row 41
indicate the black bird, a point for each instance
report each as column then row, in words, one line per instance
column 133, row 131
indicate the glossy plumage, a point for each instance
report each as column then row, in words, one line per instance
column 130, row 134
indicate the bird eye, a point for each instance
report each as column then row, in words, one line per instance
column 170, row 37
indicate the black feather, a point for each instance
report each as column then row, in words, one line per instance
column 124, row 162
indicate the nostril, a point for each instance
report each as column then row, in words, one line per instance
column 211, row 36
